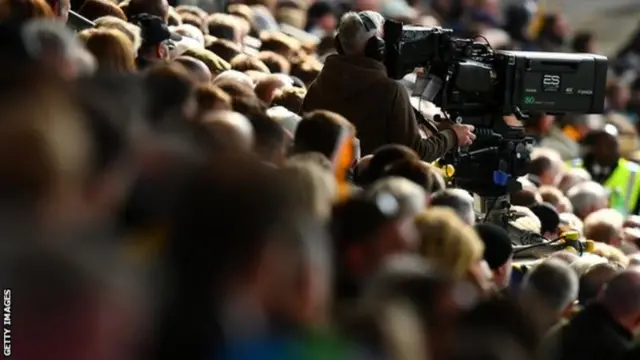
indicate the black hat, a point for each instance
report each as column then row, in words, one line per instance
column 153, row 29
column 497, row 245
column 548, row 215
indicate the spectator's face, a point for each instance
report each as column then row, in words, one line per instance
column 607, row 151
column 328, row 22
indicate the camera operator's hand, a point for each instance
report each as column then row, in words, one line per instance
column 464, row 133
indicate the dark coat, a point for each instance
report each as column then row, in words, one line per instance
column 593, row 334
column 633, row 354
column 358, row 89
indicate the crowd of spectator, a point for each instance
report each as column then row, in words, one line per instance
column 197, row 181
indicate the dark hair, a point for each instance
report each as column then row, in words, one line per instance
column 275, row 62
column 540, row 165
column 415, row 171
column 228, row 217
column 168, row 87
column 226, row 49
column 385, row 156
column 319, row 131
column 269, row 136
column 581, row 41
column 151, row 7
column 290, row 98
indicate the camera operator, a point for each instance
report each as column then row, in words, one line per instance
column 354, row 84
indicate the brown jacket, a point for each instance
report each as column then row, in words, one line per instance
column 358, row 89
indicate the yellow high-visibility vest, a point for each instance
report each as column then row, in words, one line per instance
column 623, row 185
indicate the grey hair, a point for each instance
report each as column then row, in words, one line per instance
column 411, row 197
column 352, row 33
column 458, row 200
column 47, row 37
column 553, row 283
column 585, row 195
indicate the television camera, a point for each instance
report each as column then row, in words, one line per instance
column 494, row 91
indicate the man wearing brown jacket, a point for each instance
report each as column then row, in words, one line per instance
column 354, row 84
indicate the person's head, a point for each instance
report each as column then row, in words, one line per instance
column 584, row 42
column 593, row 281
column 267, row 87
column 270, row 140
column 276, row 63
column 223, row 26
column 618, row 96
column 385, row 156
column 131, row 31
column 111, row 48
column 192, row 32
column 573, row 177
column 159, row 8
column 170, row 92
column 588, row 197
column 155, row 37
column 355, row 31
column 290, row 98
column 540, row 123
column 261, row 219
column 279, row 43
column 244, row 62
column 233, row 76
column 448, row 242
column 211, row 98
column 94, row 9
column 365, row 234
column 56, row 48
column 226, row 49
column 315, row 188
column 549, row 220
column 458, row 200
column 417, row 171
column 306, row 70
column 605, row 226
column 227, row 131
column 546, row 165
column 196, row 68
column 22, row 11
column 498, row 252
column 554, row 197
column 193, row 21
column 621, row 297
column 216, row 64
column 603, row 147
column 322, row 15
column 411, row 197
column 549, row 291
column 320, row 131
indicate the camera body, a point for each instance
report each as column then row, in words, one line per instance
column 475, row 85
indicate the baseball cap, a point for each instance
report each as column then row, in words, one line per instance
column 153, row 29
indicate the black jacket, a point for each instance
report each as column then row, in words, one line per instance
column 592, row 335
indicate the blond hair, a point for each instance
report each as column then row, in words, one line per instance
column 130, row 30
column 315, row 187
column 448, row 242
